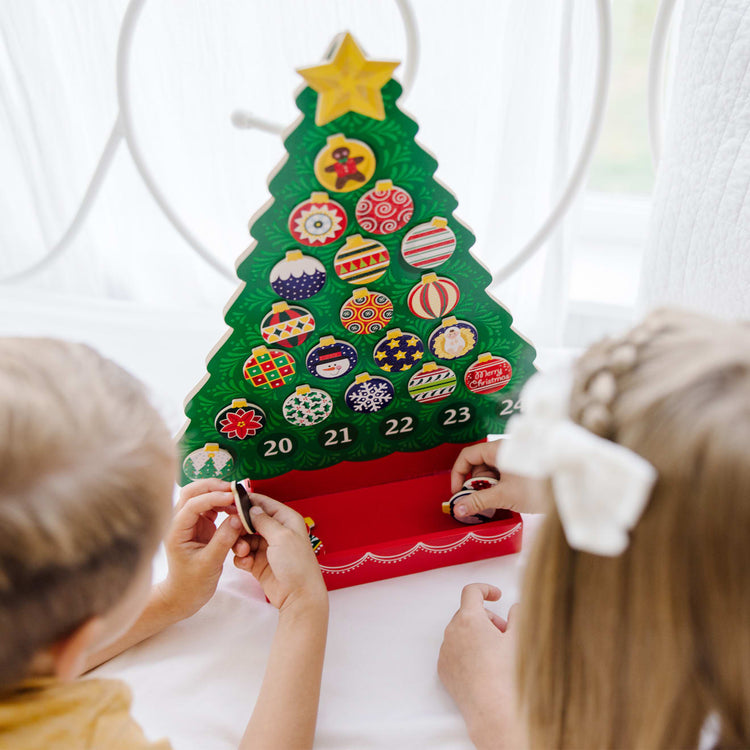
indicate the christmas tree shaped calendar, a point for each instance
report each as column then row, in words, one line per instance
column 363, row 350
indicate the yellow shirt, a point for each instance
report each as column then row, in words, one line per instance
column 44, row 714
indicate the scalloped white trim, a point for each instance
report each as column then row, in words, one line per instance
column 421, row 547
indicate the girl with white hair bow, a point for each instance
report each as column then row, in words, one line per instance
column 634, row 624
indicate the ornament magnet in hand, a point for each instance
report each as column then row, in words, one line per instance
column 474, row 484
column 241, row 491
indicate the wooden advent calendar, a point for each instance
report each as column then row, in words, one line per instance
column 363, row 350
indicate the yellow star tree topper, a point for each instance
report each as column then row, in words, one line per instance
column 349, row 82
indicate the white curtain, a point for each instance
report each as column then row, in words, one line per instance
column 502, row 94
column 697, row 254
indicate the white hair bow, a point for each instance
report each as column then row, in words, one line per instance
column 601, row 488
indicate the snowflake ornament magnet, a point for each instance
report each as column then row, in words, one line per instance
column 368, row 393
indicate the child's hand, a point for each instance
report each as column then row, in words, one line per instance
column 476, row 665
column 196, row 548
column 280, row 556
column 511, row 492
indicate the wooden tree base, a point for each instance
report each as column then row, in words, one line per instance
column 383, row 518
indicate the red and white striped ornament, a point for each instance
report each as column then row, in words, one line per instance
column 488, row 374
column 429, row 245
column 433, row 297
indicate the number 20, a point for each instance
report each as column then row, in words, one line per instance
column 273, row 448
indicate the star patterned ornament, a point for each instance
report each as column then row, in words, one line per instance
column 348, row 82
column 398, row 351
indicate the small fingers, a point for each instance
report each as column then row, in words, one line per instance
column 492, row 497
column 483, row 455
column 197, row 506
column 201, row 487
column 500, row 623
column 223, row 539
column 241, row 547
column 280, row 512
column 468, row 458
column 476, row 594
column 267, row 526
column 245, row 563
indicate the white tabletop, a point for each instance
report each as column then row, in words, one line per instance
column 196, row 683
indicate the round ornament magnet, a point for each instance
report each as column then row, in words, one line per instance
column 479, row 483
column 384, row 209
column 268, row 368
column 368, row 393
column 433, row 297
column 366, row 312
column 241, row 492
column 344, row 164
column 307, row 406
column 432, row 383
column 208, row 462
column 298, row 276
column 331, row 358
column 317, row 221
column 429, row 245
column 240, row 420
column 361, row 261
column 481, row 516
column 286, row 326
column 398, row 351
column 453, row 339
column 488, row 374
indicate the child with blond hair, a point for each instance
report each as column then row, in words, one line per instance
column 86, row 479
column 633, row 629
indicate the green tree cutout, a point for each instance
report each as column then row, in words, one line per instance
column 362, row 326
